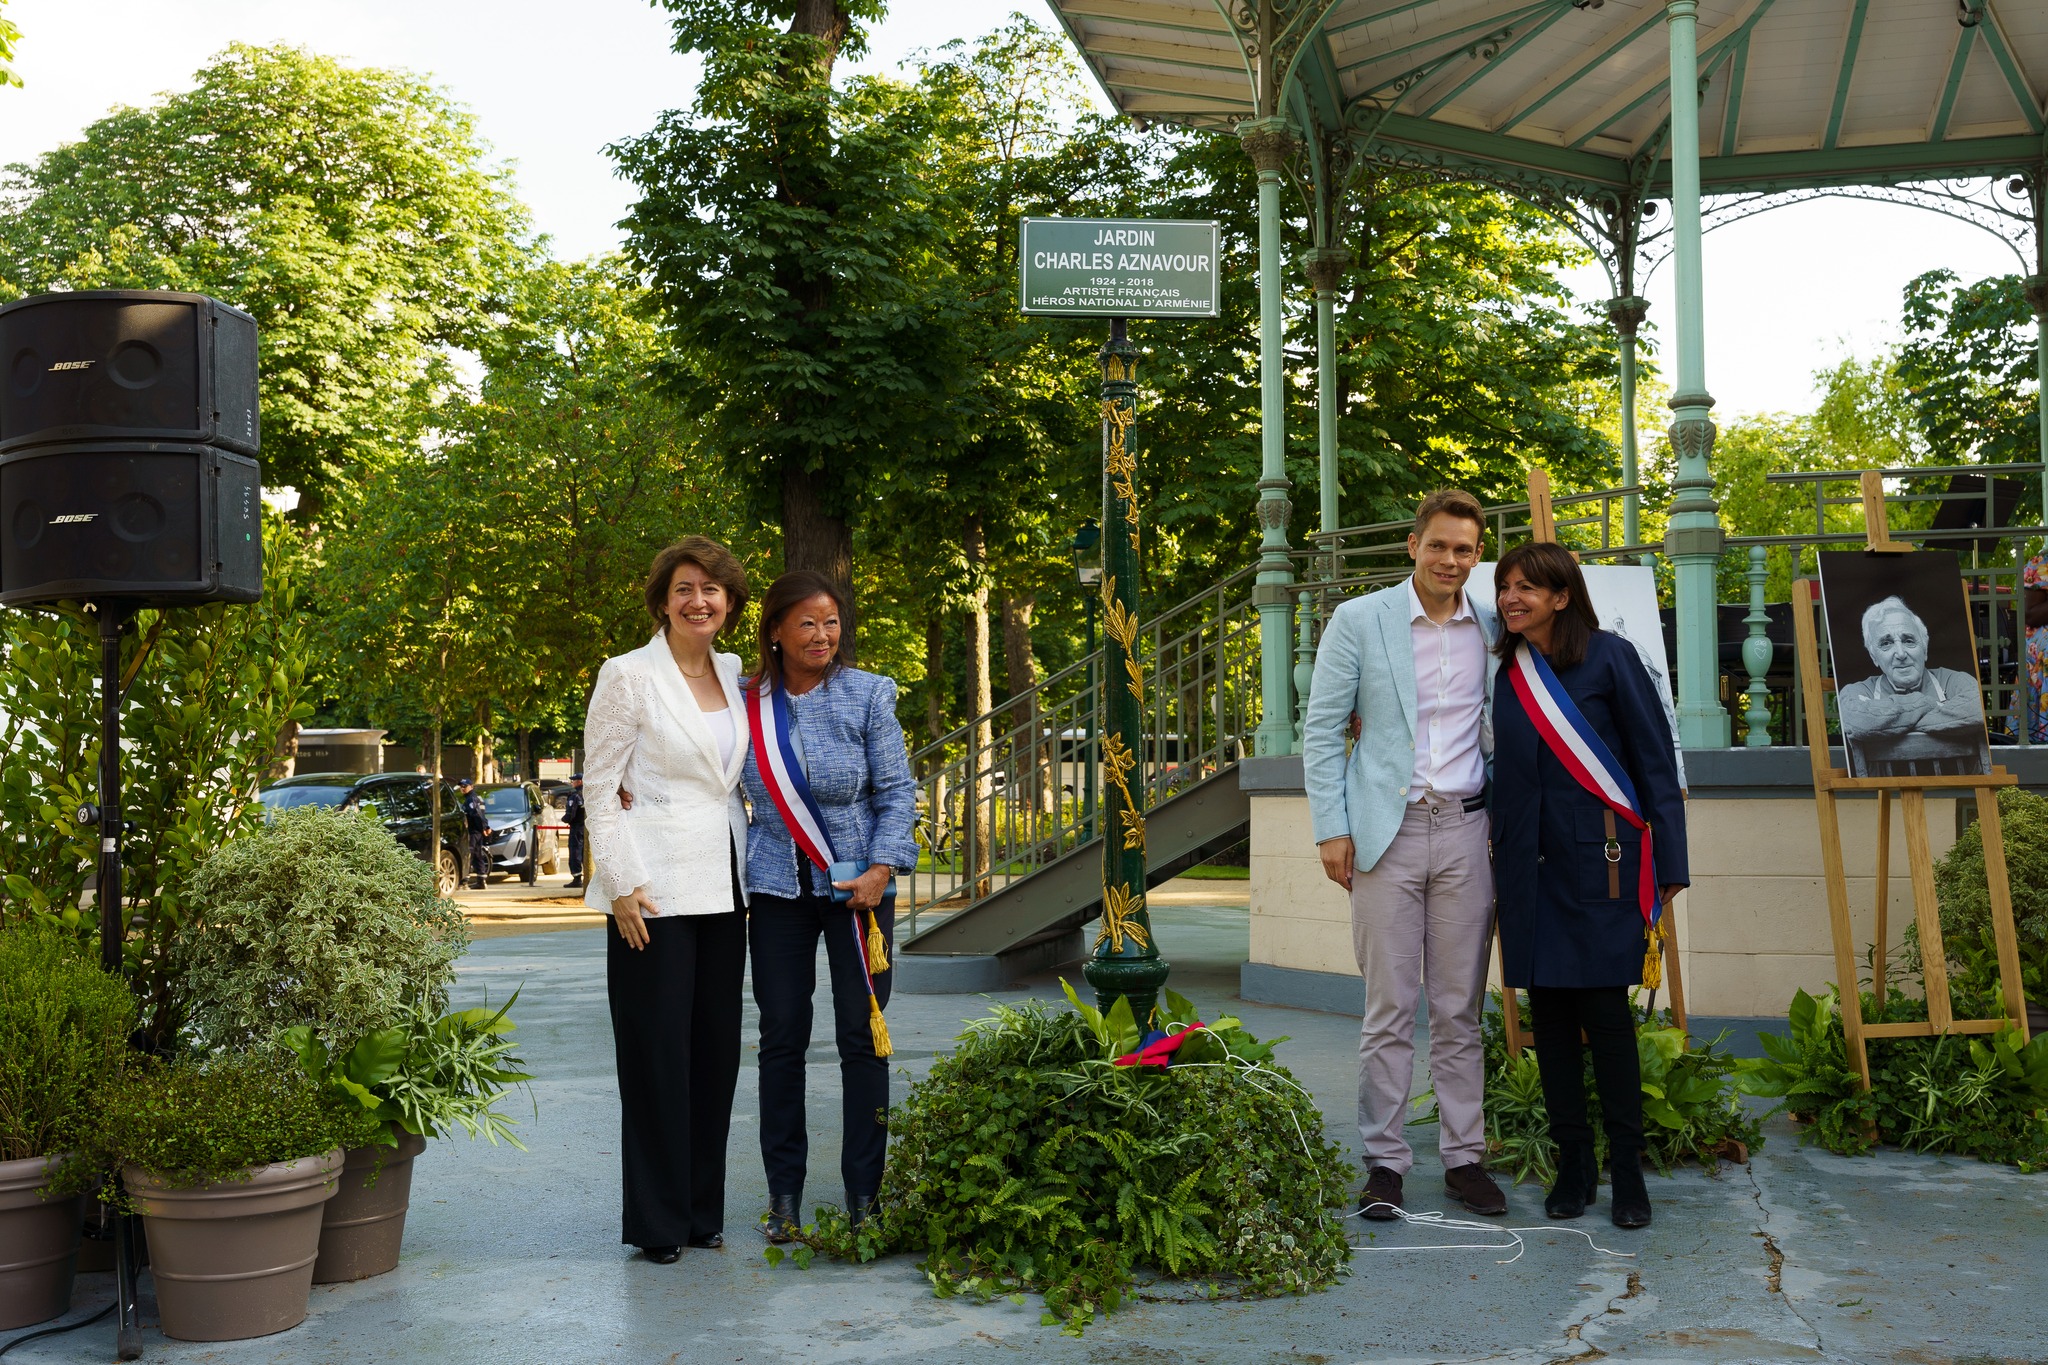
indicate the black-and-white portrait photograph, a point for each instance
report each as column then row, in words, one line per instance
column 1905, row 664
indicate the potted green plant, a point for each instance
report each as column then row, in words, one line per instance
column 64, row 1027
column 421, row 1078
column 321, row 932
column 229, row 1159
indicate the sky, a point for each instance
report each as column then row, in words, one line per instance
column 550, row 85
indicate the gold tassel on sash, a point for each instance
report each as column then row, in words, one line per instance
column 878, row 948
column 879, row 1027
column 1653, row 961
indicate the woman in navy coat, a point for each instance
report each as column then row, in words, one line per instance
column 1567, row 869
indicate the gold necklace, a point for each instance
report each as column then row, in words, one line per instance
column 688, row 674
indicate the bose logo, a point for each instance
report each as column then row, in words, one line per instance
column 71, row 365
column 74, row 519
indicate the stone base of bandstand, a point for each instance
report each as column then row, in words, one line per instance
column 1752, row 929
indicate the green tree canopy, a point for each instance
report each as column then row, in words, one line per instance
column 1968, row 362
column 9, row 36
column 350, row 210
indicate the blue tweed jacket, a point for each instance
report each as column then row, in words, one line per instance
column 859, row 770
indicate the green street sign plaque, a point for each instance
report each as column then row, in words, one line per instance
column 1118, row 268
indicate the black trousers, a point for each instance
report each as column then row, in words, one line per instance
column 1602, row 1013
column 676, row 1026
column 575, row 851
column 783, row 935
column 479, row 854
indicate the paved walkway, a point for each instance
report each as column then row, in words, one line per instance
column 512, row 1257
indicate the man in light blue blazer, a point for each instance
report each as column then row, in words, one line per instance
column 1400, row 822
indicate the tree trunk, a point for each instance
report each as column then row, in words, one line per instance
column 980, row 701
column 486, row 750
column 825, row 20
column 525, row 754
column 814, row 539
column 433, row 757
column 1022, row 669
column 935, row 674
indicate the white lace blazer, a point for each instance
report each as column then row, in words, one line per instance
column 646, row 732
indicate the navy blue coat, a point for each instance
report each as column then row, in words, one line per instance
column 1558, row 925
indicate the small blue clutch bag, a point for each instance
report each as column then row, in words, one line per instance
column 846, row 872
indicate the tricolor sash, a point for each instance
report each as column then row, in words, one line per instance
column 789, row 787
column 1573, row 742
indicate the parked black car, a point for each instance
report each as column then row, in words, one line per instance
column 518, row 843
column 401, row 800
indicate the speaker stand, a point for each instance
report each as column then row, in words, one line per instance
column 113, row 616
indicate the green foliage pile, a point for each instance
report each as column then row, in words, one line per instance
column 211, row 689
column 1965, row 900
column 319, row 918
column 1981, row 1097
column 64, row 1026
column 1028, row 1163
column 1692, row 1110
column 196, row 1122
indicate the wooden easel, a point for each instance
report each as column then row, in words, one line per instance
column 1830, row 782
column 1543, row 527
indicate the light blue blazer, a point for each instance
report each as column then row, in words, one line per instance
column 1365, row 665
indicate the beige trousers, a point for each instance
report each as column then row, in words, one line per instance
column 1423, row 918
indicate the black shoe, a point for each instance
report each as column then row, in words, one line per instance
column 858, row 1207
column 710, row 1241
column 1631, row 1207
column 1577, row 1186
column 661, row 1255
column 1475, row 1189
column 1381, row 1198
column 476, row 883
column 575, row 883
column 781, row 1224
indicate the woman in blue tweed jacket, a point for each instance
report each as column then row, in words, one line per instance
column 850, row 745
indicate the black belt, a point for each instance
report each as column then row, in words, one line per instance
column 1467, row 803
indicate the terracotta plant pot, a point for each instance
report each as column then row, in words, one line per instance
column 235, row 1259
column 38, row 1244
column 364, row 1223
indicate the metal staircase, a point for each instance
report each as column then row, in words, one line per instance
column 1012, row 857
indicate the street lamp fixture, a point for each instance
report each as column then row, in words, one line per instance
column 1087, row 554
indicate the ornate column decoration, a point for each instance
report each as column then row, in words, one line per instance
column 1325, row 267
column 2035, row 288
column 1694, row 539
column 1625, row 313
column 1304, row 663
column 1269, row 142
column 1126, row 961
column 1757, row 653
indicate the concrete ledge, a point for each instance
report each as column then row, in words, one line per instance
column 976, row 973
column 1330, row 992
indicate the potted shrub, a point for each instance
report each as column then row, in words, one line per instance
column 320, row 931
column 229, row 1160
column 420, row 1079
column 64, row 1027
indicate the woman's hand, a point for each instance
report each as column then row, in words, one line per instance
column 631, row 913
column 625, row 799
column 1670, row 893
column 868, row 887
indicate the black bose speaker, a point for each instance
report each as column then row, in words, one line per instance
column 158, row 523
column 127, row 364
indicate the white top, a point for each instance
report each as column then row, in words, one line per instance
column 1450, row 701
column 724, row 734
column 646, row 732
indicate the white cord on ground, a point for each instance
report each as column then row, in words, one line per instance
column 1433, row 1219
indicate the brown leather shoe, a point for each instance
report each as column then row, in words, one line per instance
column 1381, row 1198
column 1475, row 1189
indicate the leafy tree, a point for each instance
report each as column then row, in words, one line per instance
column 789, row 234
column 211, row 688
column 1968, row 363
column 9, row 36
column 348, row 209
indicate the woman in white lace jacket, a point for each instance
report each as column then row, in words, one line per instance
column 665, row 723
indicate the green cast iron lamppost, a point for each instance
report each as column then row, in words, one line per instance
column 1126, row 961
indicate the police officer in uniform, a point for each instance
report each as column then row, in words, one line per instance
column 479, row 834
column 572, row 816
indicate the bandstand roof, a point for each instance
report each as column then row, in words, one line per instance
column 1575, row 92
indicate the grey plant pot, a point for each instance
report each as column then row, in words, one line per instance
column 38, row 1244
column 364, row 1223
column 235, row 1259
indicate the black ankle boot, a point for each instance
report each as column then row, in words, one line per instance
column 1631, row 1208
column 1578, row 1181
column 782, row 1223
column 858, row 1207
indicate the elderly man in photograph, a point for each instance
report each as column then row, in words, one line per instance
column 1400, row 822
column 1910, row 720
